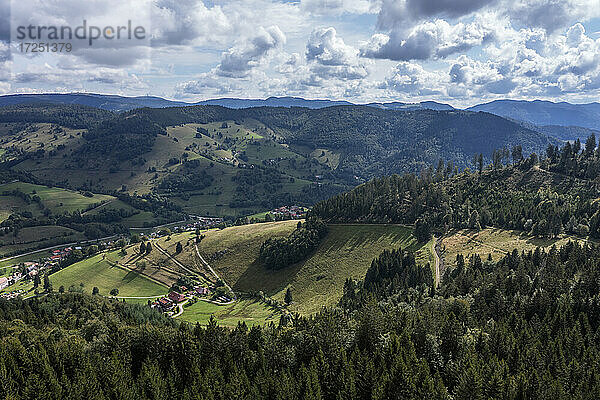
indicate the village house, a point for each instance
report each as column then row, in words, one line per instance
column 3, row 282
column 165, row 303
column 176, row 297
column 289, row 212
column 200, row 291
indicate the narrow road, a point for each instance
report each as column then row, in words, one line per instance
column 437, row 261
column 158, row 226
column 216, row 302
column 100, row 206
column 174, row 259
column 211, row 270
column 179, row 309
column 57, row 247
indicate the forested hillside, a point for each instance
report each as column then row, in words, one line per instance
column 524, row 327
column 557, row 194
column 234, row 162
column 377, row 142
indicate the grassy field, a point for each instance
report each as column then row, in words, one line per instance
column 58, row 200
column 155, row 266
column 37, row 237
column 13, row 204
column 494, row 241
column 228, row 248
column 346, row 252
column 97, row 272
column 252, row 312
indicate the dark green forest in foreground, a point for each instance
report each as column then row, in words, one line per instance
column 526, row 327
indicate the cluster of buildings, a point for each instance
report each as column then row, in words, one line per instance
column 170, row 301
column 28, row 270
column 197, row 222
column 20, row 271
column 59, row 254
column 289, row 212
column 203, row 223
column 12, row 295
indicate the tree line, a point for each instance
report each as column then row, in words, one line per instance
column 278, row 253
column 531, row 194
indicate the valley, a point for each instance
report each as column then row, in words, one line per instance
column 300, row 200
column 180, row 165
column 236, row 225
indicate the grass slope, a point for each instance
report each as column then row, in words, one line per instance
column 494, row 241
column 58, row 200
column 97, row 272
column 346, row 252
column 252, row 312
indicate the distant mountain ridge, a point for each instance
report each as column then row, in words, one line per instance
column 121, row 103
column 563, row 121
column 539, row 112
column 102, row 101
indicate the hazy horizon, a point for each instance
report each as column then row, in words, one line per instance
column 461, row 53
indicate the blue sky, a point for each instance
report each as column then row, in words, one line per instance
column 461, row 52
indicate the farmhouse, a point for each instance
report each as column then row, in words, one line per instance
column 176, row 297
column 200, row 291
column 165, row 303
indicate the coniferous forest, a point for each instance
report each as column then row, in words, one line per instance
column 545, row 195
column 524, row 327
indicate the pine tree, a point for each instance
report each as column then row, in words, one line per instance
column 36, row 280
column 288, row 297
column 474, row 221
column 142, row 248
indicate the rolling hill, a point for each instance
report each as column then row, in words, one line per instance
column 540, row 112
column 233, row 162
column 122, row 103
column 346, row 252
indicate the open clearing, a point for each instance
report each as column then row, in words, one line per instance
column 346, row 252
column 252, row 312
column 494, row 241
column 101, row 273
column 58, row 200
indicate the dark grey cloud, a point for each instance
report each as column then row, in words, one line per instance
column 405, row 13
column 429, row 40
column 550, row 14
